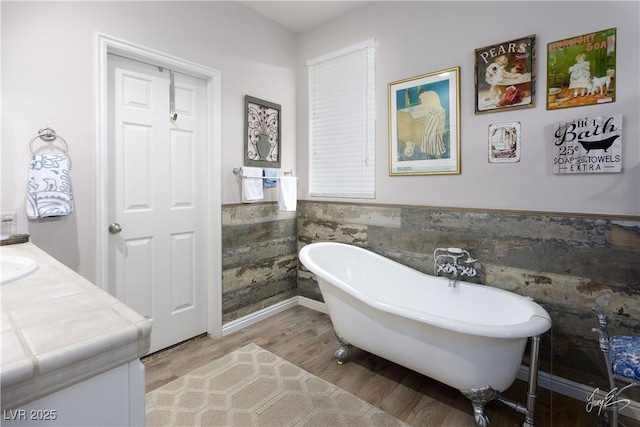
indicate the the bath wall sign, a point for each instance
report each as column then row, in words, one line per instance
column 588, row 145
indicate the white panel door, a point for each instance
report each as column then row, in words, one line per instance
column 157, row 203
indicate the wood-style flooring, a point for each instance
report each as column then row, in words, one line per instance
column 305, row 338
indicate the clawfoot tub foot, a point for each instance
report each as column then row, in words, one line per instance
column 479, row 398
column 341, row 353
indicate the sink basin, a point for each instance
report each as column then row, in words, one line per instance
column 14, row 268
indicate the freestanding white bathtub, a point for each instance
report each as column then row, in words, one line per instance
column 470, row 337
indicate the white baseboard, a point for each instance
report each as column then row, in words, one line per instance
column 566, row 387
column 313, row 304
column 578, row 391
column 250, row 319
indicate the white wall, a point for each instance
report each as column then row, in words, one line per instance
column 415, row 38
column 48, row 74
column 48, row 80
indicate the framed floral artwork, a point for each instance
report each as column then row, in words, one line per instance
column 262, row 133
column 424, row 124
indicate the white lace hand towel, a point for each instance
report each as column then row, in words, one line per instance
column 288, row 193
column 252, row 185
column 49, row 189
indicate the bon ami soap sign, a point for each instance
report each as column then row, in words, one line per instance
column 588, row 145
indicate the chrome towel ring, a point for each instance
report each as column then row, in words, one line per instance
column 49, row 135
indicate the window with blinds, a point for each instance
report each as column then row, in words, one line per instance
column 342, row 123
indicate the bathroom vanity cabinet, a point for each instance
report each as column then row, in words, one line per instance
column 113, row 398
column 70, row 351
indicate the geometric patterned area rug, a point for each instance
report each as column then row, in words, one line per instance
column 253, row 387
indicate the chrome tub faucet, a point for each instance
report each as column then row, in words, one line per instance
column 446, row 260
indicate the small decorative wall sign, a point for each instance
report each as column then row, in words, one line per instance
column 581, row 70
column 262, row 133
column 424, row 124
column 505, row 75
column 504, row 143
column 588, row 145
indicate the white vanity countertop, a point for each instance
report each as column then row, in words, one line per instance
column 59, row 329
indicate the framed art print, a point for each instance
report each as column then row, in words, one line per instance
column 424, row 124
column 505, row 75
column 262, row 133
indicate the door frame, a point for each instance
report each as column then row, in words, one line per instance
column 106, row 44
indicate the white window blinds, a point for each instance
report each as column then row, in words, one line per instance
column 342, row 123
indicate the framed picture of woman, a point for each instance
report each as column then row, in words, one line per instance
column 424, row 124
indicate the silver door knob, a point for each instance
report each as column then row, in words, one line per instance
column 115, row 228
